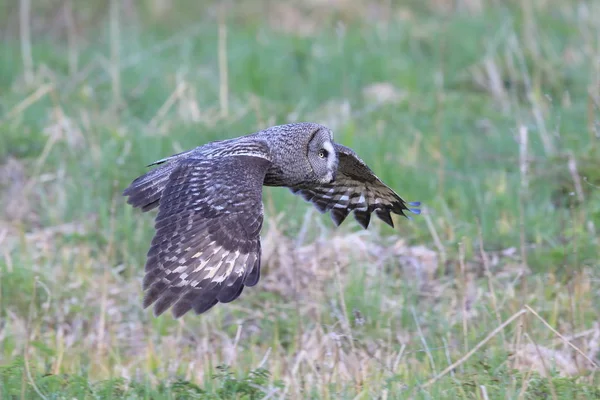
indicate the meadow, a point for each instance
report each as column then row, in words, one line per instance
column 488, row 112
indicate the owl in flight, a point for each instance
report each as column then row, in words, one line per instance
column 207, row 242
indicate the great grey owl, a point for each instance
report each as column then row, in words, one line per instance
column 207, row 242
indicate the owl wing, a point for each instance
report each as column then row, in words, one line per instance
column 356, row 188
column 207, row 242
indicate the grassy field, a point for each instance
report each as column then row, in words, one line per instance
column 485, row 111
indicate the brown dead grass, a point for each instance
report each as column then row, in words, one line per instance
column 324, row 353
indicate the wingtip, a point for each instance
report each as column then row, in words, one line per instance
column 156, row 312
column 385, row 216
column 127, row 191
column 363, row 218
column 147, row 302
column 338, row 215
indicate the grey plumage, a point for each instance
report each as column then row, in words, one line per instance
column 206, row 248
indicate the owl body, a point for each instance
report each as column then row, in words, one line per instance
column 207, row 243
column 285, row 146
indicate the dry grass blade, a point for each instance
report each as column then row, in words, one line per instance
column 27, row 343
column 484, row 393
column 576, row 178
column 544, row 366
column 423, row 340
column 164, row 109
column 25, row 33
column 115, row 57
column 474, row 349
column 28, row 101
column 223, row 69
column 564, row 339
column 490, row 279
column 435, row 236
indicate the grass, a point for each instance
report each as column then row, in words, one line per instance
column 485, row 112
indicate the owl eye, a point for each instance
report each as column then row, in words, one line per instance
column 322, row 153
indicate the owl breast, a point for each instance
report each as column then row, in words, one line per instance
column 288, row 174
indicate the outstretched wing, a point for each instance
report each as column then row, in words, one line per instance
column 356, row 188
column 207, row 242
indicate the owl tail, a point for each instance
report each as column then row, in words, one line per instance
column 145, row 191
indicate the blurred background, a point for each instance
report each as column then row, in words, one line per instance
column 486, row 111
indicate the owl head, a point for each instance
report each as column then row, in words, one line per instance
column 322, row 156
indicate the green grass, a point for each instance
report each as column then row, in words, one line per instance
column 342, row 313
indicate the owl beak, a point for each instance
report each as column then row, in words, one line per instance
column 333, row 176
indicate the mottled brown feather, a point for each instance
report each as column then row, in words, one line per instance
column 207, row 244
column 356, row 189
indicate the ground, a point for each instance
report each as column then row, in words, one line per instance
column 485, row 111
